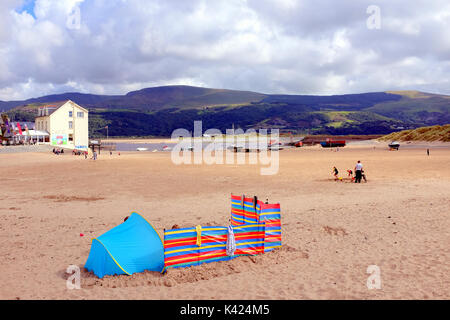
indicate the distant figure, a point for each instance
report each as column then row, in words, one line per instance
column 363, row 175
column 335, row 172
column 110, row 153
column 85, row 154
column 358, row 172
column 428, row 152
column 94, row 156
column 350, row 174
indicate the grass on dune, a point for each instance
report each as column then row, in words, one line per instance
column 433, row 133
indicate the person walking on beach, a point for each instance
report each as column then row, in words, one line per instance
column 94, row 156
column 358, row 172
column 428, row 152
column 335, row 172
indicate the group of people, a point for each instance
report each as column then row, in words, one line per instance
column 58, row 151
column 80, row 153
column 359, row 173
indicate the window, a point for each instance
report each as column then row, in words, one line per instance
column 70, row 114
column 80, row 114
column 71, row 137
column 70, row 125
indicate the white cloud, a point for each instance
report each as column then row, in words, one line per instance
column 303, row 47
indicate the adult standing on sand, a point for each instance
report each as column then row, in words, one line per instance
column 358, row 172
column 428, row 152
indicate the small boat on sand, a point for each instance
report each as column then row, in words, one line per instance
column 142, row 149
column 394, row 145
column 332, row 143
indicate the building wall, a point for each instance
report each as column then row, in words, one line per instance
column 64, row 135
column 42, row 124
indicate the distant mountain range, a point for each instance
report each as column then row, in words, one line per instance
column 160, row 110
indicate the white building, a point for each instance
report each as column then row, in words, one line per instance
column 67, row 124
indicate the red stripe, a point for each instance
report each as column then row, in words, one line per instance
column 181, row 259
column 255, row 250
column 273, row 223
column 272, row 239
column 204, row 254
column 270, row 206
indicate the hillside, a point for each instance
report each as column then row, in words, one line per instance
column 150, row 99
column 416, row 107
column 160, row 110
column 434, row 133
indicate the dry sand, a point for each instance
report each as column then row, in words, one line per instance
column 332, row 231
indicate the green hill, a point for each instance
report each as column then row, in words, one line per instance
column 160, row 110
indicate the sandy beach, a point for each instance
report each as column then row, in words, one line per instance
column 332, row 231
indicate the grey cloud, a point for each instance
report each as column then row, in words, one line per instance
column 303, row 47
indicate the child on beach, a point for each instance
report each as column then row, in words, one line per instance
column 335, row 172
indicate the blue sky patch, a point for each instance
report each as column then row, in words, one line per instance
column 28, row 6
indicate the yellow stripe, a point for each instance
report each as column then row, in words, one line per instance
column 245, row 220
column 193, row 230
column 210, row 254
column 184, row 241
column 250, row 206
column 270, row 212
column 253, row 226
column 111, row 256
column 272, row 247
column 245, row 243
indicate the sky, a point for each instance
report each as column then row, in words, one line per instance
column 318, row 47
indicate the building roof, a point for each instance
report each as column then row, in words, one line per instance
column 53, row 106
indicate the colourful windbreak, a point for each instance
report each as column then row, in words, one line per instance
column 245, row 210
column 249, row 239
column 270, row 214
column 183, row 247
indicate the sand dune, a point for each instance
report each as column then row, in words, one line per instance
column 332, row 231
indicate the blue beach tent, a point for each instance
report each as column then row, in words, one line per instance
column 133, row 246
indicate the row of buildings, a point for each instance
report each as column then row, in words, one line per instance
column 62, row 124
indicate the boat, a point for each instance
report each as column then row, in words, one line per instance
column 142, row 149
column 394, row 145
column 332, row 143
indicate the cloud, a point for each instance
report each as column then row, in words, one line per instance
column 289, row 46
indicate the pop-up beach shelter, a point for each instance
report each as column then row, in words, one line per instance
column 133, row 246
